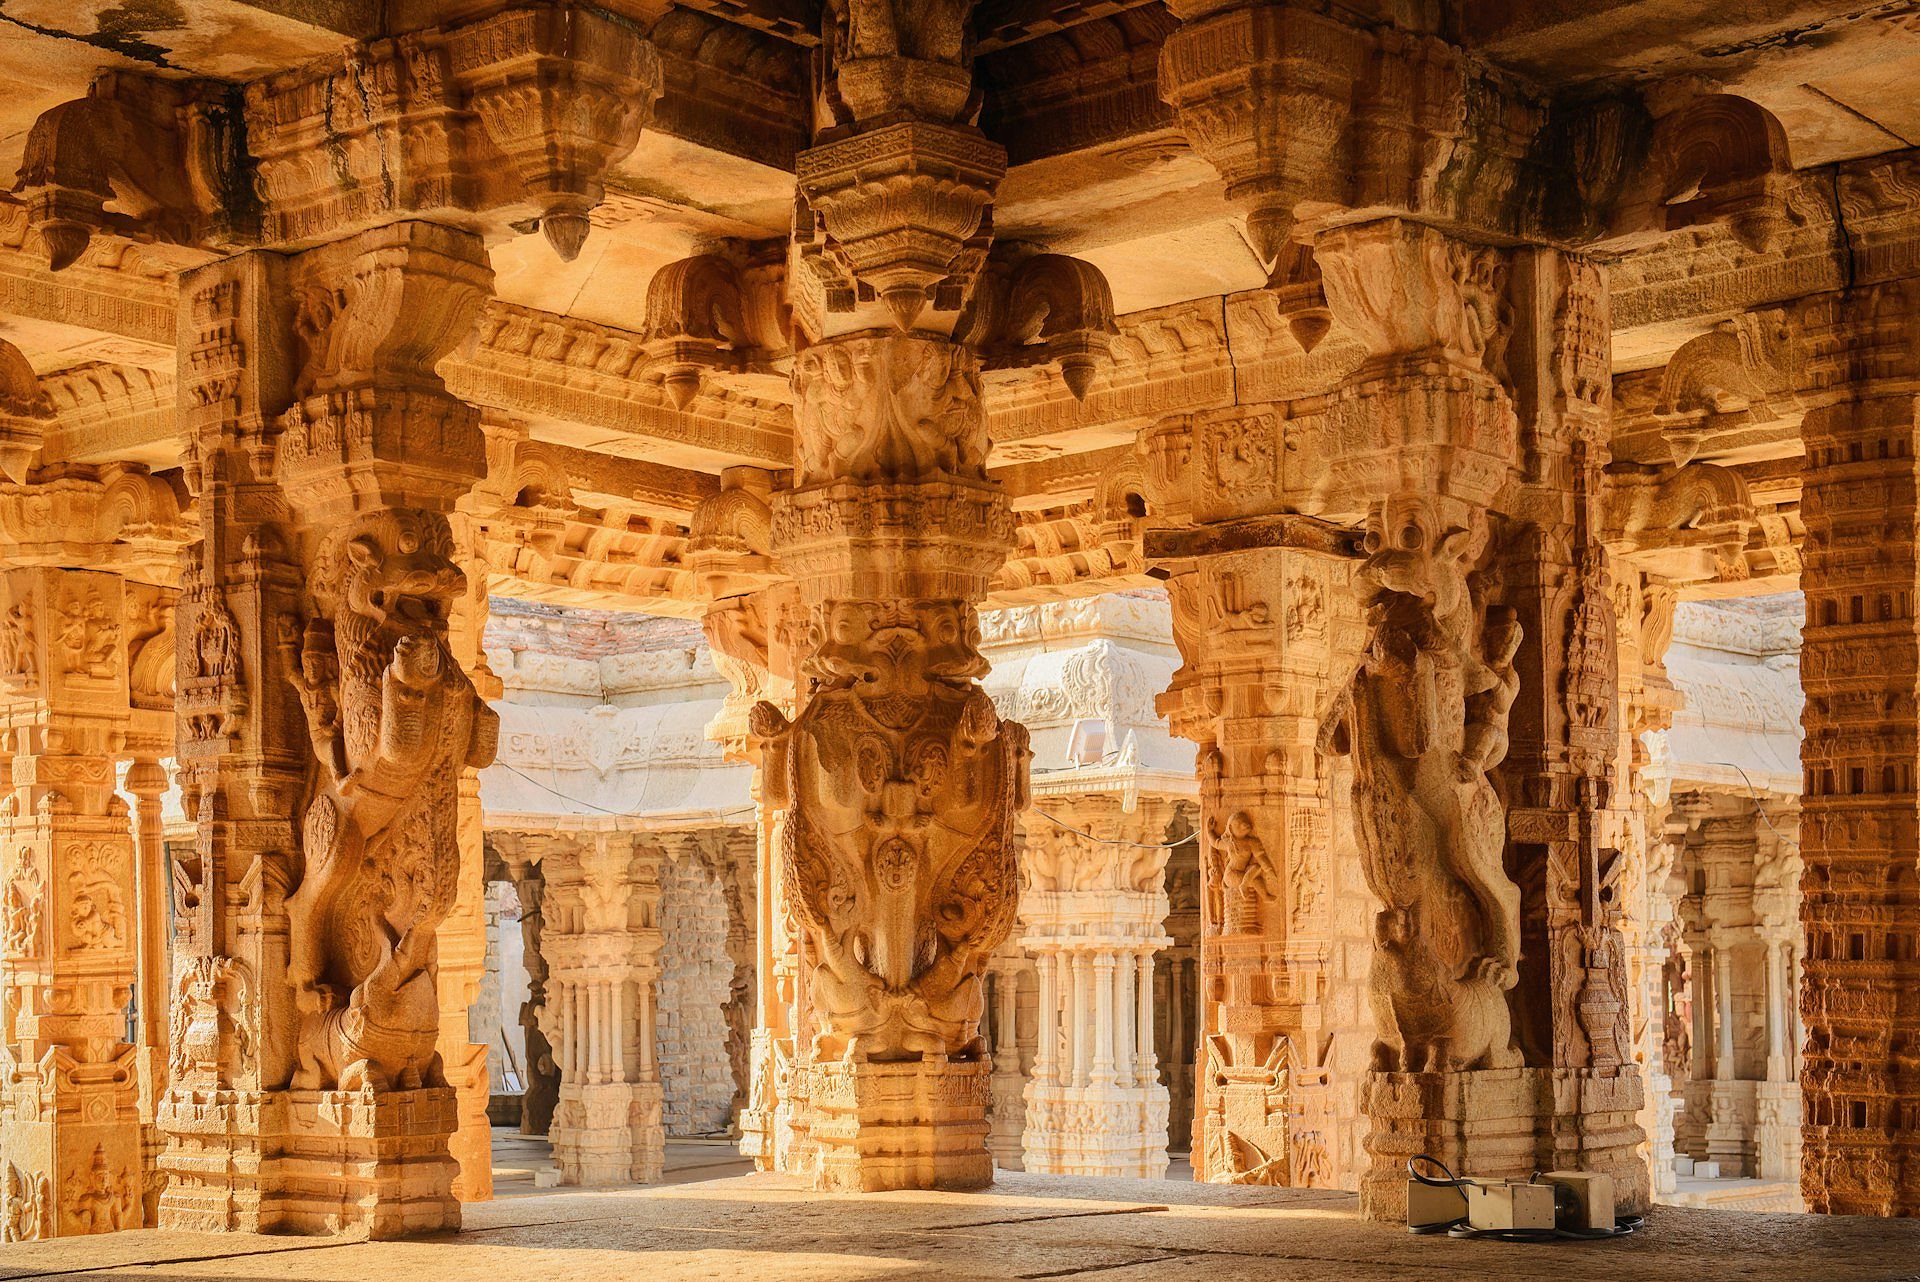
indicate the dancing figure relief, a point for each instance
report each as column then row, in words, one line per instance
column 1424, row 720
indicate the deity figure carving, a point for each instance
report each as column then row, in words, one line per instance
column 26, row 1205
column 18, row 664
column 393, row 721
column 902, row 784
column 897, row 409
column 1424, row 720
column 20, row 908
column 89, row 636
column 1244, row 871
column 96, row 914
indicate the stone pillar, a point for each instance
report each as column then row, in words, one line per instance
column 750, row 626
column 70, row 1135
column 1261, row 610
column 601, row 941
column 462, row 937
column 899, row 779
column 542, row 1072
column 1859, row 829
column 1013, row 1051
column 1475, row 433
column 326, row 725
column 1094, row 897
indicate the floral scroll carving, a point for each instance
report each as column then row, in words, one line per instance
column 393, row 720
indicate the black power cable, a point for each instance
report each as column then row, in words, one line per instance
column 1461, row 1229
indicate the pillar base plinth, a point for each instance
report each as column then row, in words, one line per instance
column 1479, row 1123
column 920, row 1124
column 1115, row 1130
column 1501, row 1124
column 220, row 1147
column 609, row 1133
column 1590, row 1121
column 372, row 1161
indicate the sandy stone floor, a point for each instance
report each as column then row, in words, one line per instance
column 766, row 1227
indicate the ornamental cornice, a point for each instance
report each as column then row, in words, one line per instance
column 545, row 369
column 1707, row 273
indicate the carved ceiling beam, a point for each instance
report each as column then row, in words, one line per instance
column 534, row 489
column 505, row 121
column 1315, row 119
column 1057, row 480
column 794, row 21
column 118, row 298
column 1663, row 294
column 1094, row 84
column 731, row 88
column 104, row 413
column 513, row 118
column 549, row 370
column 118, row 518
column 1001, row 24
column 619, row 563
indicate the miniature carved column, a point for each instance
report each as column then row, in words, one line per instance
column 899, row 779
column 1011, row 992
column 1094, row 896
column 326, row 726
column 70, row 1136
column 601, row 941
column 147, row 781
column 1859, row 833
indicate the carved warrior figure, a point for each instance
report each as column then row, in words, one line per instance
column 901, row 784
column 1424, row 720
column 393, row 721
column 26, row 1206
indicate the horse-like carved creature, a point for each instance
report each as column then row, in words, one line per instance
column 1424, row 720
column 393, row 721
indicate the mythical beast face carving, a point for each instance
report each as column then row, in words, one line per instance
column 902, row 783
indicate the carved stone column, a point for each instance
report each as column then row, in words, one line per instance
column 1860, row 998
column 1260, row 629
column 462, row 937
column 1093, row 886
column 900, row 781
column 1569, row 831
column 543, row 1073
column 751, row 623
column 601, row 942
column 1483, row 597
column 70, row 1131
column 326, row 724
